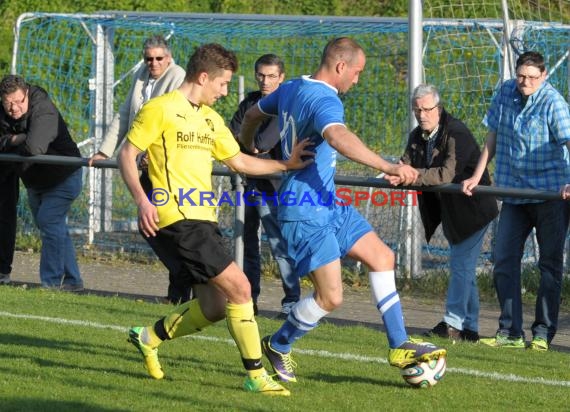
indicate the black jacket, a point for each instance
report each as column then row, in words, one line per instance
column 266, row 140
column 454, row 159
column 46, row 133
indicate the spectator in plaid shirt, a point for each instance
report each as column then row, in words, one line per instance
column 529, row 132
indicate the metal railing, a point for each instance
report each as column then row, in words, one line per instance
column 238, row 187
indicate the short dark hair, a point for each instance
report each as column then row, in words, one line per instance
column 211, row 58
column 531, row 58
column 270, row 59
column 12, row 83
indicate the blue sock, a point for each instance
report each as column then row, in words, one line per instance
column 383, row 285
column 393, row 321
column 303, row 318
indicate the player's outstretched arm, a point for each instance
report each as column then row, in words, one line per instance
column 251, row 121
column 250, row 165
column 350, row 146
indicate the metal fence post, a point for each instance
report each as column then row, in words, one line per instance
column 237, row 183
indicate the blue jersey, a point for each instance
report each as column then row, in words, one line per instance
column 305, row 108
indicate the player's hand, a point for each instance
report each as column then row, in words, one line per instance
column 142, row 160
column 565, row 191
column 468, row 185
column 96, row 156
column 403, row 175
column 148, row 219
column 299, row 152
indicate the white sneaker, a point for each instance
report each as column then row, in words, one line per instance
column 4, row 278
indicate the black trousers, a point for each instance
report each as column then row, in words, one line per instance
column 9, row 185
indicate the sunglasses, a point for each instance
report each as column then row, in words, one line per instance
column 150, row 59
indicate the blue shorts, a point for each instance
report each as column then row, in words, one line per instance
column 312, row 244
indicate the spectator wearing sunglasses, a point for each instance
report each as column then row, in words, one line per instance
column 158, row 74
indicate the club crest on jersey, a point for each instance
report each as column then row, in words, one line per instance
column 210, row 124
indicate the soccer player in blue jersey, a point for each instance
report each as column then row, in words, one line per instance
column 319, row 233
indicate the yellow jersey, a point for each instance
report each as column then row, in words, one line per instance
column 181, row 141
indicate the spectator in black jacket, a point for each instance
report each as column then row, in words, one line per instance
column 443, row 150
column 269, row 74
column 30, row 124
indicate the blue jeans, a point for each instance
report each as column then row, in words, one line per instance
column 267, row 214
column 550, row 219
column 58, row 265
column 462, row 306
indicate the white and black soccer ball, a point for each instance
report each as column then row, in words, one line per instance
column 425, row 374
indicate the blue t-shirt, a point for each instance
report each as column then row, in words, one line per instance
column 305, row 108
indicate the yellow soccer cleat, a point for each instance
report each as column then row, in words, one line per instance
column 409, row 353
column 150, row 354
column 266, row 385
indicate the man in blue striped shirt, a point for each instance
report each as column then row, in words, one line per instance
column 529, row 131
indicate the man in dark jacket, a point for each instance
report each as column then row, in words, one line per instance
column 269, row 74
column 30, row 124
column 444, row 151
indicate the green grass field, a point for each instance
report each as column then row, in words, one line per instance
column 64, row 352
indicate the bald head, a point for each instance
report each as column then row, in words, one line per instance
column 341, row 49
column 342, row 62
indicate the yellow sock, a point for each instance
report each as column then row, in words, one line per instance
column 244, row 330
column 186, row 319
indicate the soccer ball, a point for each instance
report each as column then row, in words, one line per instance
column 425, row 374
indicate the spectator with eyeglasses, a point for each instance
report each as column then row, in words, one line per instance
column 529, row 136
column 10, row 183
column 443, row 150
column 158, row 74
column 269, row 74
column 31, row 124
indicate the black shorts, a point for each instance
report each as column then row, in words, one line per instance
column 200, row 247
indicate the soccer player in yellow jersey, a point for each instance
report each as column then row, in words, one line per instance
column 181, row 134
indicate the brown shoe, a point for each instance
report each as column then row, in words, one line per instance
column 443, row 330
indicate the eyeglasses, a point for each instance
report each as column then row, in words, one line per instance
column 19, row 103
column 523, row 77
column 151, row 59
column 261, row 77
column 419, row 110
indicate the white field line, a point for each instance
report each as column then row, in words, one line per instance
column 319, row 353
